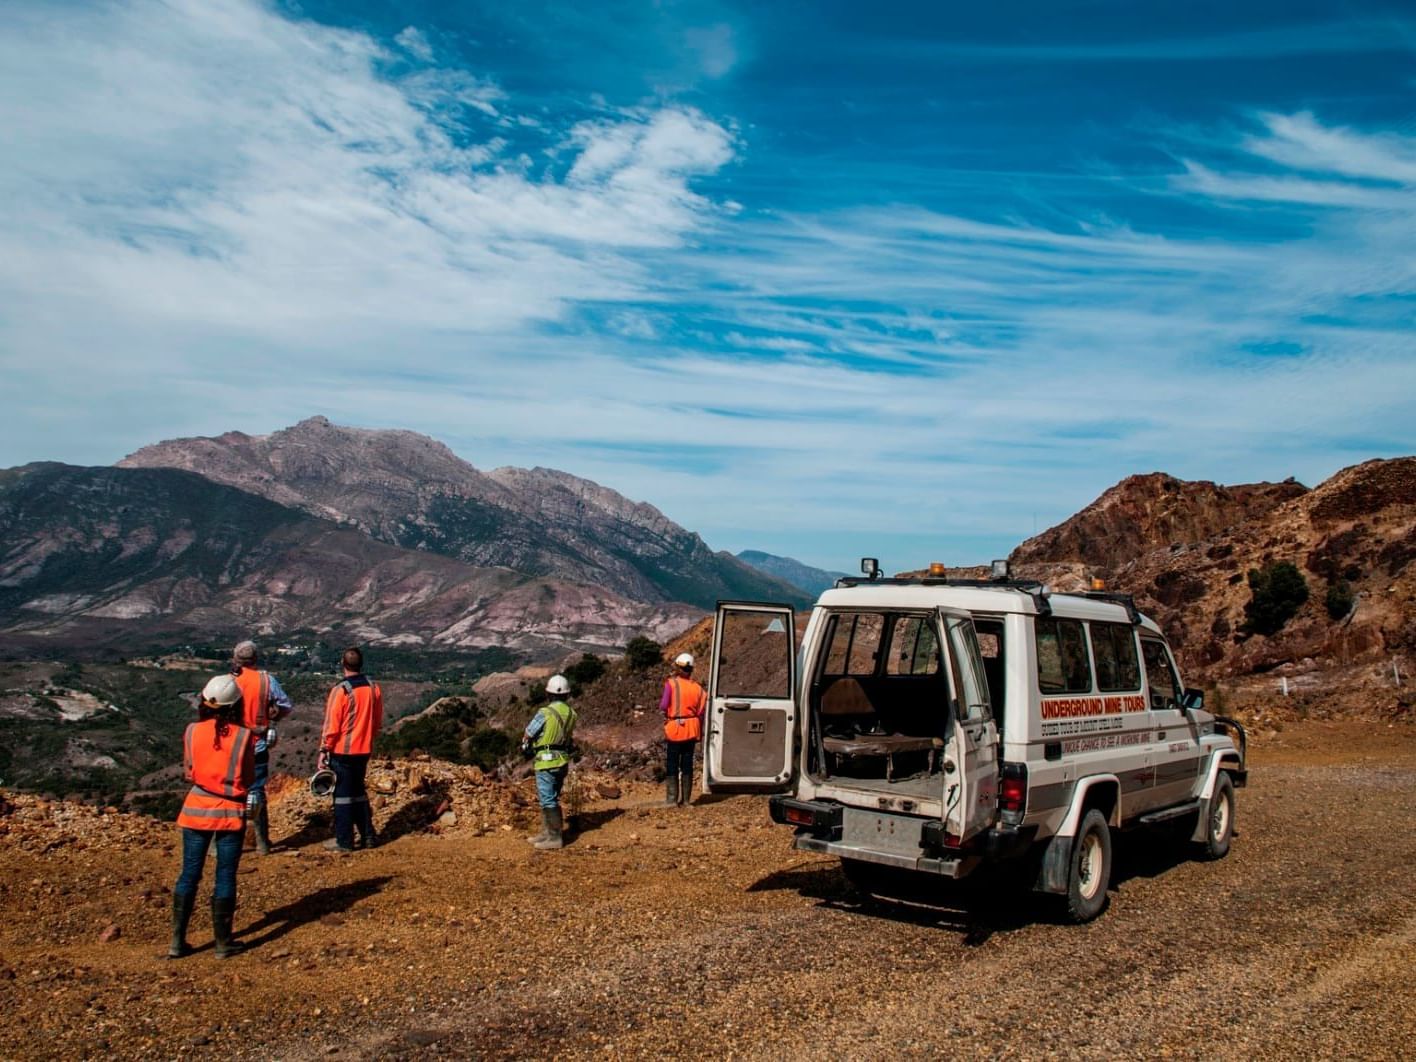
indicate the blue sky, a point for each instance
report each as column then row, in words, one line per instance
column 909, row 280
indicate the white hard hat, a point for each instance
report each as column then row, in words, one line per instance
column 322, row 782
column 221, row 691
column 684, row 660
column 557, row 684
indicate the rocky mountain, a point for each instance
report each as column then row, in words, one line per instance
column 810, row 581
column 116, row 554
column 1184, row 549
column 408, row 490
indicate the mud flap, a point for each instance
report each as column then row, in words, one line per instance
column 1056, row 864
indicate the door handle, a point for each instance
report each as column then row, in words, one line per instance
column 737, row 706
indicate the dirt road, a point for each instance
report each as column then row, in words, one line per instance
column 701, row 932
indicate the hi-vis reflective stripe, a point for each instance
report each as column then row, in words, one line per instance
column 210, row 813
column 238, row 746
column 352, row 717
column 351, row 800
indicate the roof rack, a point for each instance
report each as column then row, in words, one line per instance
column 1031, row 587
column 1120, row 599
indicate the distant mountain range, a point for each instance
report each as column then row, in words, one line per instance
column 384, row 536
column 810, row 581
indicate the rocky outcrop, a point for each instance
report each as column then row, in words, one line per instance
column 408, row 490
column 1184, row 549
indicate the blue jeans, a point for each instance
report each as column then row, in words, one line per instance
column 548, row 786
column 351, row 800
column 262, row 768
column 194, row 852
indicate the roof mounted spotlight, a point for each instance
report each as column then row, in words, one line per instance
column 870, row 567
column 999, row 569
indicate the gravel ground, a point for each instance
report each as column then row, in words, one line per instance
column 699, row 931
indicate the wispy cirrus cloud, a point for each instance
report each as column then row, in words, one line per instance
column 219, row 215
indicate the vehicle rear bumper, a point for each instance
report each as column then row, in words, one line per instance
column 948, row 868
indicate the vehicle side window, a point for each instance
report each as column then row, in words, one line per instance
column 1062, row 664
column 1114, row 650
column 914, row 647
column 855, row 643
column 1160, row 675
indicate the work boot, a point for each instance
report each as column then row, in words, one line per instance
column 223, row 910
column 671, row 791
column 545, row 829
column 685, row 794
column 333, row 845
column 554, row 824
column 261, row 825
column 182, row 904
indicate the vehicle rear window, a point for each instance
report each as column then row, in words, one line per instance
column 1114, row 650
column 854, row 643
column 1062, row 664
column 914, row 647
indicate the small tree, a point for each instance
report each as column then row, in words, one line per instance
column 1339, row 599
column 585, row 670
column 643, row 653
column 1278, row 592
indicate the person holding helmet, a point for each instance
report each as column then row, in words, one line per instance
column 683, row 704
column 264, row 704
column 548, row 741
column 219, row 755
column 353, row 718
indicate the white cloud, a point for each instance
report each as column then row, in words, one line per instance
column 213, row 216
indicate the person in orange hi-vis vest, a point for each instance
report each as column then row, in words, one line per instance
column 353, row 718
column 263, row 704
column 683, row 704
column 220, row 759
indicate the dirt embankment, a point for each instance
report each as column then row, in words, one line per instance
column 701, row 931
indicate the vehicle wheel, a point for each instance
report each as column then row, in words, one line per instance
column 1219, row 819
column 1090, row 870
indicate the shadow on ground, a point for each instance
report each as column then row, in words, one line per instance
column 334, row 900
column 977, row 907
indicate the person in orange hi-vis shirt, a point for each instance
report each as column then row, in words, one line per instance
column 263, row 704
column 683, row 704
column 353, row 718
column 220, row 760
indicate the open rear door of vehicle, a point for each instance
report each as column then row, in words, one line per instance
column 752, row 724
column 971, row 795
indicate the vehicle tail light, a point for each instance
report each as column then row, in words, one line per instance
column 800, row 816
column 1013, row 791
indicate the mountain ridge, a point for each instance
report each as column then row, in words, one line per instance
column 412, row 491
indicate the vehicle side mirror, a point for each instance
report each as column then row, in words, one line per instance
column 1192, row 700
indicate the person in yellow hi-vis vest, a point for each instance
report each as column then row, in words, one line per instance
column 548, row 741
column 683, row 704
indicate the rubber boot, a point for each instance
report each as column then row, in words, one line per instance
column 261, row 824
column 223, row 910
column 554, row 824
column 545, row 829
column 182, row 904
column 685, row 794
column 671, row 790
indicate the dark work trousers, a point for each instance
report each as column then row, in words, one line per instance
column 351, row 800
column 680, row 757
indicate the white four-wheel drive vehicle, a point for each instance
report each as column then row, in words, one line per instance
column 940, row 726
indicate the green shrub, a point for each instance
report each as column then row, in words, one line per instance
column 1338, row 601
column 1278, row 592
column 643, row 653
column 585, row 671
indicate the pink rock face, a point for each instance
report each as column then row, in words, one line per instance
column 110, row 933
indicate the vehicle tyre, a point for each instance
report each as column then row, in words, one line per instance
column 1089, row 874
column 1219, row 819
